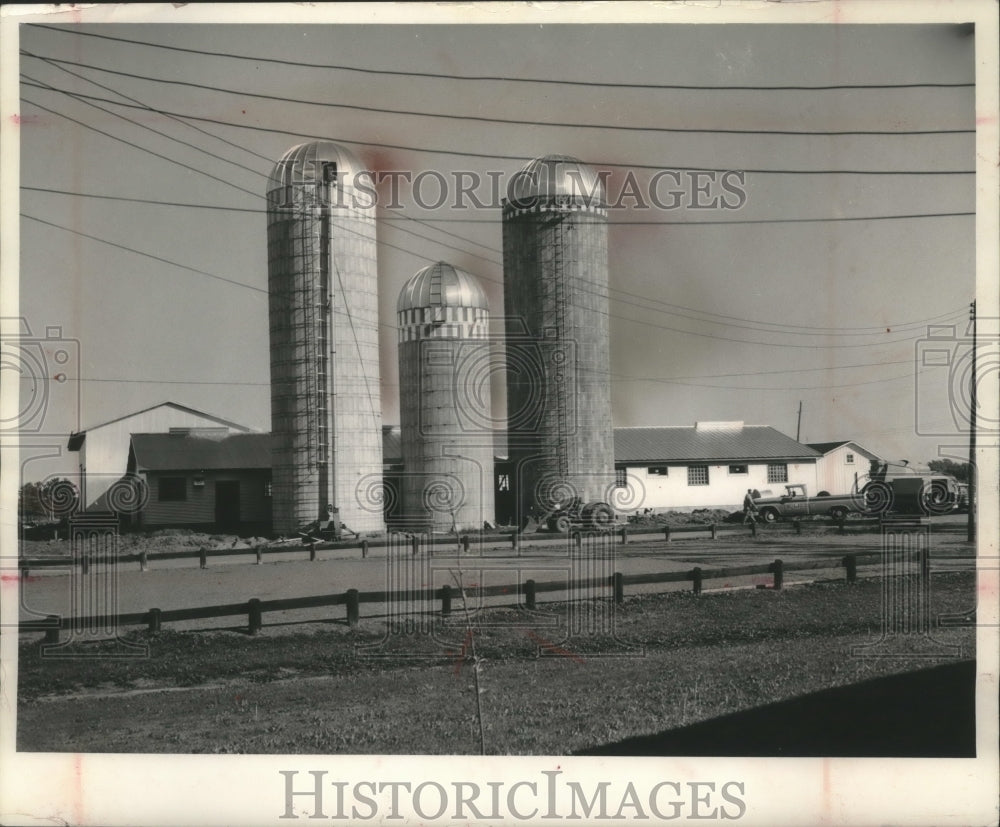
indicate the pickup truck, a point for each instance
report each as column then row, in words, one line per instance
column 795, row 502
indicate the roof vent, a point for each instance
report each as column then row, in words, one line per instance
column 718, row 426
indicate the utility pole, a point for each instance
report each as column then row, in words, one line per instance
column 972, row 430
column 798, row 428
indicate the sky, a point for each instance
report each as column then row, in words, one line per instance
column 716, row 313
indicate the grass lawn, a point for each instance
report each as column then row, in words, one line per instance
column 675, row 659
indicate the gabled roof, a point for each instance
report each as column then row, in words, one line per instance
column 826, row 447
column 187, row 452
column 692, row 444
column 76, row 439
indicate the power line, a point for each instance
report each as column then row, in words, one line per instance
column 149, row 108
column 493, row 221
column 142, row 253
column 507, row 78
column 522, row 158
column 147, row 128
column 211, row 135
column 142, row 148
column 414, row 113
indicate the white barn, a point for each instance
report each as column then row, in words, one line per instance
column 103, row 449
column 842, row 466
column 707, row 465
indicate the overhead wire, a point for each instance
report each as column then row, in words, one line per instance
column 507, row 78
column 467, row 117
column 522, row 158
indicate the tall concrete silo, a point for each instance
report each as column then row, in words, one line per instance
column 444, row 399
column 326, row 418
column 555, row 253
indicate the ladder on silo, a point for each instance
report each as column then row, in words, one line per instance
column 561, row 311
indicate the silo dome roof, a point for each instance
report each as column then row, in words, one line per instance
column 303, row 164
column 441, row 285
column 556, row 175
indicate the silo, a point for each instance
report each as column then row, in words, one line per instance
column 555, row 253
column 326, row 419
column 444, row 399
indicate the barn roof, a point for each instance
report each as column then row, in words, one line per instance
column 190, row 450
column 689, row 443
column 76, row 439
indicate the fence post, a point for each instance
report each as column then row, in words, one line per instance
column 529, row 594
column 850, row 563
column 143, row 561
column 513, row 540
column 619, row 586
column 52, row 635
column 202, row 558
column 696, row 578
column 666, row 533
column 352, row 607
column 714, row 531
column 779, row 573
column 624, row 535
column 753, row 528
column 154, row 620
column 465, row 543
column 260, row 556
column 415, row 544
column 798, row 526
column 312, row 552
column 445, row 600
column 255, row 618
column 364, row 549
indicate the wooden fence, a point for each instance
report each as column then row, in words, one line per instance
column 254, row 609
column 624, row 534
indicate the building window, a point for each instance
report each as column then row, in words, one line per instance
column 267, row 488
column 850, row 459
column 173, row 488
column 657, row 471
column 739, row 469
column 777, row 472
column 621, row 478
column 697, row 475
column 503, row 482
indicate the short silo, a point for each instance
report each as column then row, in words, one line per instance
column 555, row 251
column 326, row 418
column 444, row 397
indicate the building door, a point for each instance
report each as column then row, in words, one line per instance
column 227, row 503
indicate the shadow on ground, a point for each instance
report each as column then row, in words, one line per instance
column 928, row 713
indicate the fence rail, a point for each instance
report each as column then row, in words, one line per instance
column 625, row 534
column 255, row 608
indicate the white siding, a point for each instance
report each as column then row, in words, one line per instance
column 104, row 455
column 836, row 475
column 724, row 490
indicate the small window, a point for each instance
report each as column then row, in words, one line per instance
column 621, row 478
column 739, row 469
column 657, row 470
column 503, row 482
column 267, row 488
column 697, row 475
column 173, row 488
column 850, row 459
column 777, row 472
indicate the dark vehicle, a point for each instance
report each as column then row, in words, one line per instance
column 574, row 513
